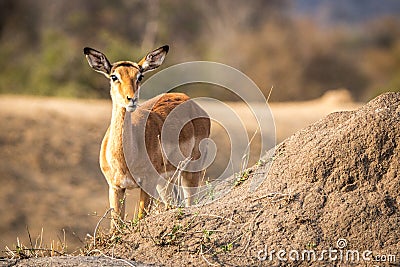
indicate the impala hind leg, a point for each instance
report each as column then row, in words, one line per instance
column 144, row 204
column 116, row 197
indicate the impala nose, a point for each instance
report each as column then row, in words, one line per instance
column 132, row 105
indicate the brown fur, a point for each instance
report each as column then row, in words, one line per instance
column 152, row 114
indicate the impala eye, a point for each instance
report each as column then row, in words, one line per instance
column 139, row 77
column 114, row 78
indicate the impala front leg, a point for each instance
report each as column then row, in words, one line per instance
column 117, row 203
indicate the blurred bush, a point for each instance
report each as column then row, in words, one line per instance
column 41, row 45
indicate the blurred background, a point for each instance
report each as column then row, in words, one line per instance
column 54, row 110
column 301, row 47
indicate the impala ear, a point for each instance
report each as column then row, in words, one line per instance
column 98, row 61
column 154, row 59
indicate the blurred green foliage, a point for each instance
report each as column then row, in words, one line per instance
column 41, row 45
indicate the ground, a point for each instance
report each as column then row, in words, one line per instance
column 336, row 179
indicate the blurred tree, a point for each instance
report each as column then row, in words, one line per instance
column 16, row 24
column 41, row 44
column 330, row 71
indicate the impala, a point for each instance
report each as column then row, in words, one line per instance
column 133, row 137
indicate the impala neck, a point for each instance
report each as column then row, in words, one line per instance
column 117, row 126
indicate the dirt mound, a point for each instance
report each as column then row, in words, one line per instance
column 332, row 194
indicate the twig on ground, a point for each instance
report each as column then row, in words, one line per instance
column 217, row 216
column 231, row 220
column 29, row 235
column 148, row 230
column 272, row 195
column 98, row 224
column 10, row 252
column 204, row 258
column 17, row 252
column 252, row 229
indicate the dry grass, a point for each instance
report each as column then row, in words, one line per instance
column 37, row 248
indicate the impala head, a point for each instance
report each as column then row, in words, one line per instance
column 125, row 76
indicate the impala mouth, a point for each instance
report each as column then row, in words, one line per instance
column 131, row 107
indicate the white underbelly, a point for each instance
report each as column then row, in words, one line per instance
column 128, row 182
